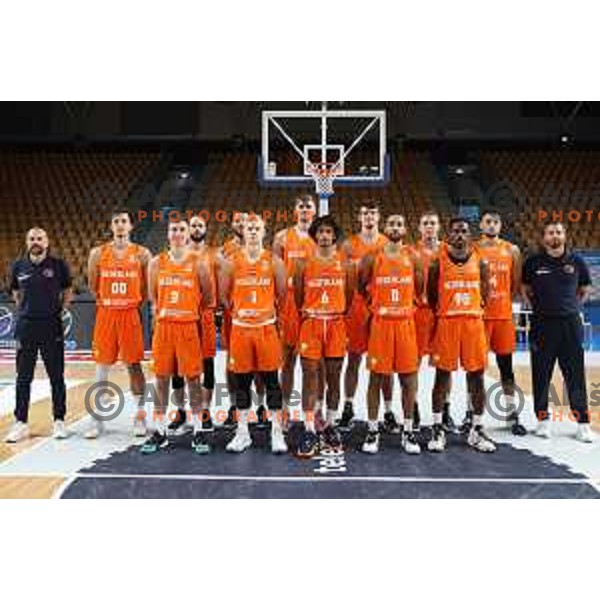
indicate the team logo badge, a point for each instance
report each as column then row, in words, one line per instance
column 569, row 269
column 48, row 273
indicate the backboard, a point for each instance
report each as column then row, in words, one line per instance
column 350, row 143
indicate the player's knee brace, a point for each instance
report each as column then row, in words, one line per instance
column 177, row 382
column 243, row 383
column 208, row 379
column 505, row 366
column 135, row 369
column 273, row 389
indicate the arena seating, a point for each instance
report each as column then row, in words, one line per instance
column 69, row 194
column 550, row 180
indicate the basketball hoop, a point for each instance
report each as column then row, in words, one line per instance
column 323, row 175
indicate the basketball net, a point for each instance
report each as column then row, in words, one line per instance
column 323, row 175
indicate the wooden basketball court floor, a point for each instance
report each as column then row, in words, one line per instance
column 112, row 467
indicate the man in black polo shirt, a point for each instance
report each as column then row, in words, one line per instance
column 556, row 282
column 41, row 288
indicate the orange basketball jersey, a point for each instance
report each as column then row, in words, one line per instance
column 209, row 259
column 230, row 248
column 120, row 280
column 297, row 247
column 253, row 290
column 393, row 284
column 499, row 258
column 179, row 294
column 324, row 287
column 459, row 286
column 359, row 248
column 426, row 255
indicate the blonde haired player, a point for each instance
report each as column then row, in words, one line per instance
column 117, row 274
column 179, row 288
column 369, row 240
column 252, row 285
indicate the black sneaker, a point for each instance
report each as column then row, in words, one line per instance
column 390, row 425
column 157, row 441
column 517, row 428
column 447, row 420
column 330, row 438
column 308, row 445
column 347, row 415
column 467, row 423
column 231, row 421
column 178, row 426
column 200, row 443
column 262, row 422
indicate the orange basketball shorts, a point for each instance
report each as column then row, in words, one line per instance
column 176, row 349
column 254, row 349
column 323, row 338
column 393, row 346
column 208, row 334
column 118, row 333
column 290, row 320
column 424, row 321
column 459, row 340
column 501, row 335
column 357, row 326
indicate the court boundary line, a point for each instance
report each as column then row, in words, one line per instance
column 304, row 478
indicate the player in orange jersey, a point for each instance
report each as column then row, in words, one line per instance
column 503, row 261
column 457, row 291
column 207, row 328
column 292, row 245
column 117, row 274
column 179, row 288
column 253, row 285
column 391, row 280
column 357, row 324
column 324, row 286
column 230, row 249
column 427, row 249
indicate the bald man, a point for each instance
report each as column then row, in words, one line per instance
column 41, row 288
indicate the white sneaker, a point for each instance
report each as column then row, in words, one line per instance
column 478, row 440
column 543, row 429
column 139, row 428
column 278, row 444
column 18, row 432
column 410, row 443
column 584, row 434
column 438, row 441
column 60, row 432
column 95, row 431
column 371, row 443
column 240, row 441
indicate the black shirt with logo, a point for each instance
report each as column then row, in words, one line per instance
column 41, row 287
column 554, row 282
